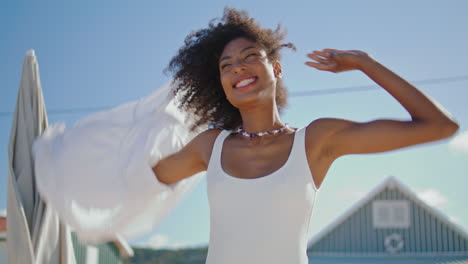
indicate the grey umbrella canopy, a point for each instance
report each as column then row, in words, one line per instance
column 34, row 233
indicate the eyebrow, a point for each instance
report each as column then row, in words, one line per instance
column 244, row 49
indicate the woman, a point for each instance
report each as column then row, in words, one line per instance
column 117, row 173
column 262, row 179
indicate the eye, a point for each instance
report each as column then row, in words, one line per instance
column 251, row 56
column 225, row 66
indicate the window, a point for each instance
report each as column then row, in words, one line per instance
column 391, row 214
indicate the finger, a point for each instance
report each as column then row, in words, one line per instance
column 317, row 58
column 331, row 50
column 322, row 53
column 332, row 53
column 329, row 54
column 320, row 66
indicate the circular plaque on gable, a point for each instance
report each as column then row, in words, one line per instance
column 394, row 243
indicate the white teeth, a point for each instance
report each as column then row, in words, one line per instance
column 245, row 82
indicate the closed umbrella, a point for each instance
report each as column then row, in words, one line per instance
column 34, row 233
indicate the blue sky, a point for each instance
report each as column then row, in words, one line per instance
column 104, row 53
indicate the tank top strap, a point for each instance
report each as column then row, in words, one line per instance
column 215, row 159
column 299, row 156
column 298, row 148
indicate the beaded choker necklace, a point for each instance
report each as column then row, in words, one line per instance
column 242, row 132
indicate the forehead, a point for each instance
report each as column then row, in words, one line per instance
column 238, row 45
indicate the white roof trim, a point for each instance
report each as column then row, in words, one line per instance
column 392, row 182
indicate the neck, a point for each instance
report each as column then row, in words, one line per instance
column 260, row 119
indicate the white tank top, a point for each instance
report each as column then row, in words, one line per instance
column 263, row 220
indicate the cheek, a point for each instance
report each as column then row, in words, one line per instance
column 228, row 91
column 270, row 71
column 225, row 84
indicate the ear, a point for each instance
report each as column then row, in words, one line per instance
column 277, row 69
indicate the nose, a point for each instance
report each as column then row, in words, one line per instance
column 238, row 66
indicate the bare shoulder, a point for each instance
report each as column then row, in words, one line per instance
column 319, row 132
column 204, row 143
column 207, row 137
column 321, row 128
column 329, row 124
column 319, row 150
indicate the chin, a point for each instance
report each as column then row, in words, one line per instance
column 250, row 100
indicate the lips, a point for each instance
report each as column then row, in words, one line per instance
column 244, row 82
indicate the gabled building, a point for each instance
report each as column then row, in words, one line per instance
column 390, row 225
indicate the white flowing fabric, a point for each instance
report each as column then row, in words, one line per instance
column 97, row 174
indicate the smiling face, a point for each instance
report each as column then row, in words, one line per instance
column 246, row 74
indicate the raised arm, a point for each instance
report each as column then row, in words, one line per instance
column 429, row 122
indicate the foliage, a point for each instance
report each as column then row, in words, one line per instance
column 169, row 256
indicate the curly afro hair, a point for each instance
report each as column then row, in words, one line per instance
column 196, row 70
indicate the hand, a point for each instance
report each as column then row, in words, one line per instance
column 337, row 60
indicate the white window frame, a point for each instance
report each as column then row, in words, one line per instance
column 391, row 206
